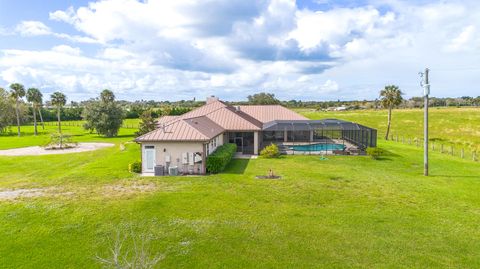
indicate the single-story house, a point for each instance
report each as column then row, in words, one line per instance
column 184, row 142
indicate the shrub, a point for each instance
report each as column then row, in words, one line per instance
column 218, row 160
column 270, row 151
column 135, row 167
column 375, row 153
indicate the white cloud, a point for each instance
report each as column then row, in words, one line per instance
column 67, row 50
column 32, row 28
column 464, row 40
column 37, row 28
column 115, row 54
column 157, row 49
column 67, row 16
column 338, row 27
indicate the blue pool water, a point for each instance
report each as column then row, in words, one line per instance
column 318, row 147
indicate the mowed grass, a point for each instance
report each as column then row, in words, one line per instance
column 449, row 126
column 345, row 212
column 73, row 128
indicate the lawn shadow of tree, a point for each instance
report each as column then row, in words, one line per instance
column 387, row 155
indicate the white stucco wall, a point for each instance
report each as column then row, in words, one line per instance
column 175, row 151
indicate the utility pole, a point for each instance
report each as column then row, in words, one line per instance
column 426, row 91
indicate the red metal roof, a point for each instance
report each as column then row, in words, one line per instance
column 192, row 129
column 268, row 113
column 166, row 119
column 214, row 118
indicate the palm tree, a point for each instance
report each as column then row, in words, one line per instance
column 107, row 96
column 17, row 93
column 59, row 99
column 390, row 97
column 34, row 96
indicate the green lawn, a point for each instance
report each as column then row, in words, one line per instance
column 345, row 212
column 73, row 128
column 450, row 126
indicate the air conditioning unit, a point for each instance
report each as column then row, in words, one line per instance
column 159, row 170
column 173, row 170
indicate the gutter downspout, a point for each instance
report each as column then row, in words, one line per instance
column 204, row 159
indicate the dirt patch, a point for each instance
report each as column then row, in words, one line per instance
column 119, row 190
column 114, row 190
column 35, row 151
column 268, row 177
column 9, row 194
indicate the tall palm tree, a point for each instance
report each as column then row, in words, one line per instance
column 390, row 97
column 17, row 93
column 58, row 99
column 107, row 96
column 40, row 113
column 34, row 96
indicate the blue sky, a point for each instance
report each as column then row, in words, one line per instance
column 172, row 50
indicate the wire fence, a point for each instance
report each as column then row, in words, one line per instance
column 80, row 124
column 435, row 146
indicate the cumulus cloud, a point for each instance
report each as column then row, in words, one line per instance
column 234, row 48
column 464, row 39
column 32, row 28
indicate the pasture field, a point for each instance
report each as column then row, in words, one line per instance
column 344, row 212
column 459, row 127
column 73, row 128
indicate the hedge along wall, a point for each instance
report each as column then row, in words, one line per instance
column 218, row 160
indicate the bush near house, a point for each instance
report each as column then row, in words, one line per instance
column 218, row 160
column 135, row 167
column 270, row 151
column 375, row 153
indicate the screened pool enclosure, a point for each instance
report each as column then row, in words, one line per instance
column 328, row 136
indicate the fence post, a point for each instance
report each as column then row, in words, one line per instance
column 462, row 153
column 441, row 148
column 433, row 146
column 474, row 156
column 397, row 137
column 416, row 141
column 451, row 150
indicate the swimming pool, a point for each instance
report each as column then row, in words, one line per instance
column 317, row 147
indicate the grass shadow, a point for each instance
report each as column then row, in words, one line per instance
column 388, row 153
column 237, row 166
column 453, row 176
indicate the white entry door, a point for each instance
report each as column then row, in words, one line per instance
column 149, row 160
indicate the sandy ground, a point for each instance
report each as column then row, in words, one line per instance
column 33, row 151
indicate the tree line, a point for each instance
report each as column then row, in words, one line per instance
column 265, row 98
column 102, row 115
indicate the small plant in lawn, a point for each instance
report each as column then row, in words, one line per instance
column 375, row 153
column 128, row 250
column 271, row 175
column 135, row 167
column 60, row 141
column 270, row 151
column 218, row 160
